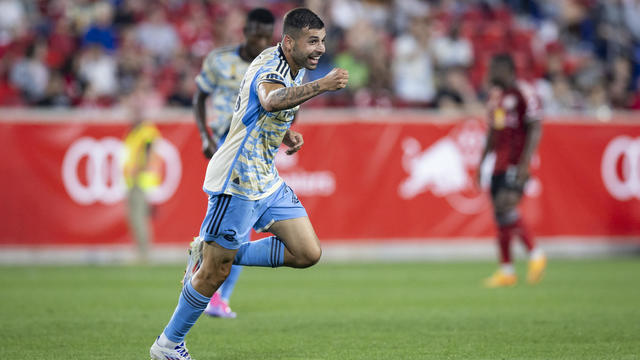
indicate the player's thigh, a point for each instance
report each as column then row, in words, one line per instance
column 298, row 236
column 283, row 215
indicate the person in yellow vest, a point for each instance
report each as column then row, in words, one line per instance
column 141, row 173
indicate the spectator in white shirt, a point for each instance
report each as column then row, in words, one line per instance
column 412, row 64
column 30, row 74
column 98, row 70
column 158, row 36
column 452, row 50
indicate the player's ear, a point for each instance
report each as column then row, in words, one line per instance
column 288, row 41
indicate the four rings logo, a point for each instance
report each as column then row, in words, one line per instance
column 103, row 179
column 620, row 168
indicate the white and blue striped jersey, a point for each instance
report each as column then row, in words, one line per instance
column 244, row 164
column 221, row 75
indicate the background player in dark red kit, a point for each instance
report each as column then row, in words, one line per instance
column 513, row 135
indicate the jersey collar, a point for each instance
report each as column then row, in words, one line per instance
column 281, row 54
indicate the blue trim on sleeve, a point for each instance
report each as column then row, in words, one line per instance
column 274, row 78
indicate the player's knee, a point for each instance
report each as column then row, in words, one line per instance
column 310, row 256
column 214, row 275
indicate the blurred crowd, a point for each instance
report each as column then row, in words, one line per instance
column 580, row 55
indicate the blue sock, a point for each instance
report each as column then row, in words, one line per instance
column 190, row 305
column 227, row 286
column 264, row 252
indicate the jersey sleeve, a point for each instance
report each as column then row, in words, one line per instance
column 270, row 76
column 207, row 79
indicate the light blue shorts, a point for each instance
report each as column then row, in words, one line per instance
column 229, row 219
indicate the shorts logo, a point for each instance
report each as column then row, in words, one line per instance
column 103, row 179
column 620, row 168
column 230, row 235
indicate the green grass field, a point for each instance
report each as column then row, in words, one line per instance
column 583, row 310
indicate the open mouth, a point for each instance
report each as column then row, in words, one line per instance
column 313, row 60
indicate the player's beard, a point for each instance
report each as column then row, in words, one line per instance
column 309, row 60
column 312, row 60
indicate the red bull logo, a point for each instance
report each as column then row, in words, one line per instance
column 447, row 169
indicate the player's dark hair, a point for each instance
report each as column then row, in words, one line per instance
column 261, row 15
column 504, row 59
column 298, row 19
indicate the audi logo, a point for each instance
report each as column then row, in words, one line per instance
column 624, row 185
column 103, row 171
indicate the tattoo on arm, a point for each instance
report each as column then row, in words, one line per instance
column 289, row 97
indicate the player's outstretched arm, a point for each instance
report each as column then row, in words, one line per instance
column 200, row 112
column 276, row 97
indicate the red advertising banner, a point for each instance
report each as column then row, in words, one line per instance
column 62, row 184
column 359, row 181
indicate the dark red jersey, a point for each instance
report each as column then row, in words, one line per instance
column 509, row 113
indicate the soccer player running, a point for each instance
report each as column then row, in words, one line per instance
column 243, row 184
column 222, row 72
column 514, row 133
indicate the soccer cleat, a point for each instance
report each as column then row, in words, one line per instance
column 195, row 259
column 179, row 352
column 500, row 279
column 536, row 269
column 219, row 308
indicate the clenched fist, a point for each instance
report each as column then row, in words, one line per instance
column 336, row 79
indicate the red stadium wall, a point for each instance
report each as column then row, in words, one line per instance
column 391, row 179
